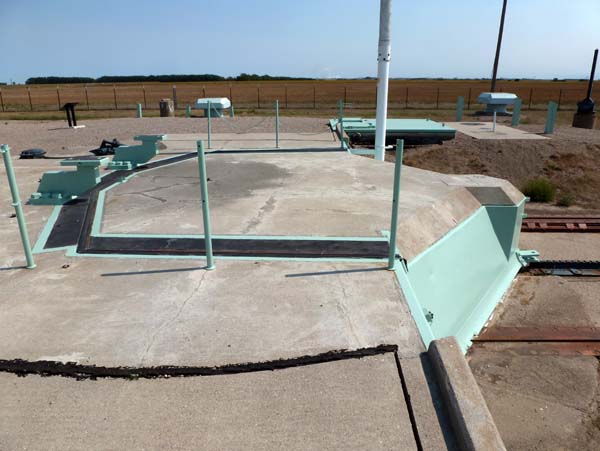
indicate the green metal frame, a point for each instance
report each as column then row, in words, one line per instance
column 395, row 203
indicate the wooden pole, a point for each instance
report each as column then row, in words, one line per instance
column 87, row 100
column 144, row 92
column 115, row 96
column 530, row 97
column 29, row 95
column 406, row 99
column 2, row 100
column 314, row 97
column 58, row 96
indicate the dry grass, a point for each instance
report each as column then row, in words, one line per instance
column 291, row 94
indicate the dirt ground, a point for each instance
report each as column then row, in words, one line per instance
column 571, row 160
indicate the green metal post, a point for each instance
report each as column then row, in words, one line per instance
column 188, row 111
column 341, row 121
column 460, row 105
column 231, row 111
column 208, row 121
column 395, row 202
column 516, row 115
column 205, row 208
column 16, row 202
column 139, row 111
column 551, row 118
column 277, row 124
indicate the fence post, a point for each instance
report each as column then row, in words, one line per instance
column 286, row 97
column 550, row 118
column 144, row 92
column 115, row 96
column 258, row 96
column 277, row 124
column 516, row 115
column 559, row 98
column 395, row 202
column 174, row 97
column 231, row 111
column 314, row 97
column 2, row 100
column 530, row 97
column 58, row 96
column 460, row 104
column 16, row 202
column 406, row 99
column 469, row 100
column 345, row 95
column 87, row 100
column 230, row 95
column 437, row 100
column 139, row 110
column 29, row 95
column 205, row 207
column 203, row 92
column 208, row 123
column 188, row 111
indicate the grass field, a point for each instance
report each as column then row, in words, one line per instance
column 318, row 94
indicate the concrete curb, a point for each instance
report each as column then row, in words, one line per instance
column 471, row 419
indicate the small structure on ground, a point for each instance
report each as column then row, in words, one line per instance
column 497, row 102
column 217, row 105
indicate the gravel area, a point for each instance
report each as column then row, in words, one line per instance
column 571, row 160
column 55, row 136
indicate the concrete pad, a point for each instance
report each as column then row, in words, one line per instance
column 345, row 405
column 551, row 301
column 563, row 246
column 540, row 402
column 144, row 313
column 483, row 130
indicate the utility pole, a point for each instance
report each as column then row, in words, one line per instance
column 497, row 58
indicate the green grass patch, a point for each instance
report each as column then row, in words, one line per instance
column 539, row 190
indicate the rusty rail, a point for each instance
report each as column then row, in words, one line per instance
column 561, row 224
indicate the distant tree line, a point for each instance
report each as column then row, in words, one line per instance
column 154, row 78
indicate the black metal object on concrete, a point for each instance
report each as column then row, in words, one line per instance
column 69, row 108
column 585, row 117
column 106, row 147
column 32, row 153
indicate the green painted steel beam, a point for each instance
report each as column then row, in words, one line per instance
column 277, row 124
column 208, row 124
column 139, row 110
column 395, row 203
column 516, row 114
column 16, row 203
column 460, row 105
column 551, row 118
column 205, row 204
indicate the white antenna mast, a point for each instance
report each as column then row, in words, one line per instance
column 383, row 74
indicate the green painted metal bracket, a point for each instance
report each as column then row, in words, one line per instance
column 58, row 187
column 460, row 105
column 231, row 111
column 551, row 118
column 516, row 114
column 528, row 256
column 188, row 111
column 16, row 202
column 130, row 157
column 139, row 111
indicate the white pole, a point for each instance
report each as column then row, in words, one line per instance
column 383, row 73
column 494, row 123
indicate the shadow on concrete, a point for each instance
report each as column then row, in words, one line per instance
column 155, row 271
column 341, row 271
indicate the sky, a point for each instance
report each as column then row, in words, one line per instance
column 304, row 38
